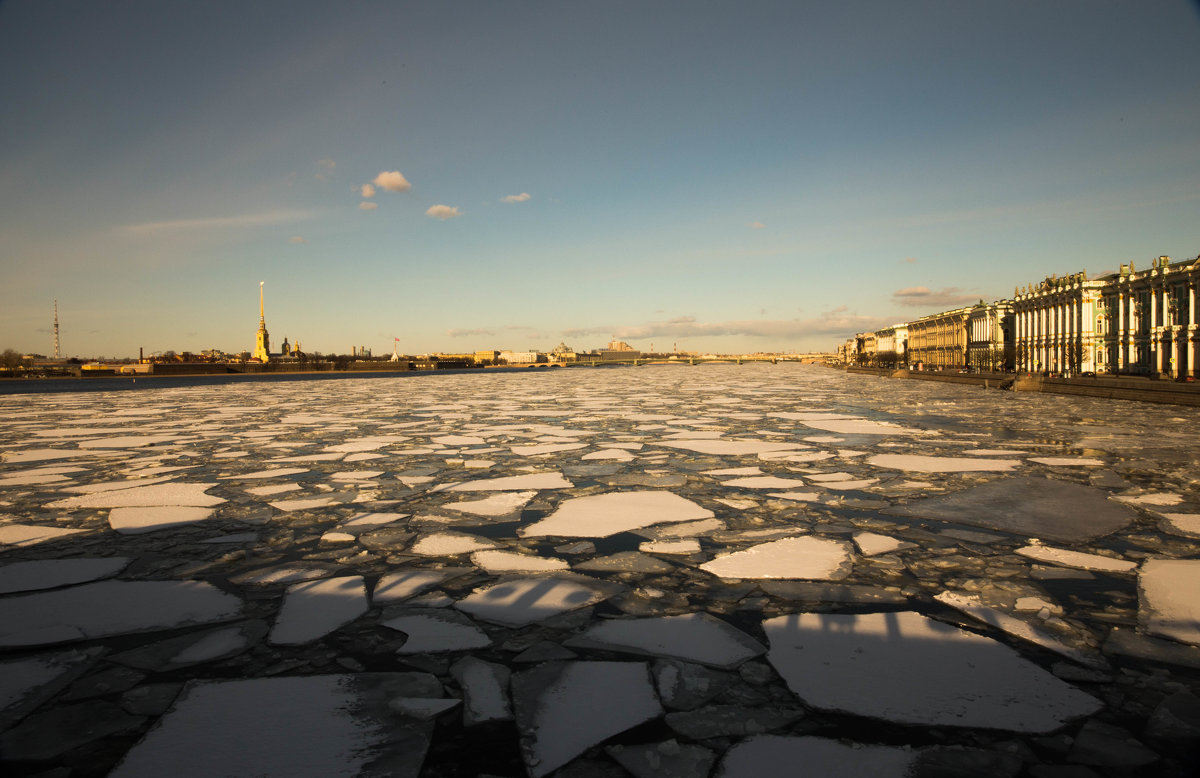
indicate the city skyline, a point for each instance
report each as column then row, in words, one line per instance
column 761, row 177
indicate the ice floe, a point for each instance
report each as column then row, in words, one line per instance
column 692, row 637
column 437, row 631
column 732, row 447
column 763, row 756
column 403, row 584
column 562, row 709
column 601, row 515
column 872, row 543
column 1169, row 599
column 1079, row 559
column 803, row 557
column 313, row 609
column 449, row 544
column 485, row 690
column 1036, row 507
column 30, row 534
column 917, row 463
column 522, row 601
column 286, row 727
column 53, row 573
column 105, row 608
column 136, row 520
column 176, row 493
column 497, row 561
column 516, row 483
column 906, row 668
column 495, row 505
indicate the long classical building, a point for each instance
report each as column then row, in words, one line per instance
column 1128, row 322
column 939, row 340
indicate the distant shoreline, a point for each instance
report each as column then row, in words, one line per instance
column 110, row 383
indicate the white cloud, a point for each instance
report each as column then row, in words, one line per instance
column 265, row 218
column 910, row 260
column 296, row 239
column 456, row 333
column 392, row 181
column 365, row 206
column 325, row 169
column 517, row 198
column 756, row 225
column 367, row 190
column 924, row 297
column 443, row 212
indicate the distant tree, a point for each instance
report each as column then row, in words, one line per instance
column 10, row 359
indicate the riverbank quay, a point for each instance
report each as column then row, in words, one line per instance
column 1135, row 388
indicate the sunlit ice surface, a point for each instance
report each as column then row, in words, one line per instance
column 666, row 570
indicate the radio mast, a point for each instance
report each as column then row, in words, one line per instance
column 56, row 356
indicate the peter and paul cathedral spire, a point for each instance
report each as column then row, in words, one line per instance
column 262, row 341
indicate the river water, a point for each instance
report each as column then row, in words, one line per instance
column 661, row 570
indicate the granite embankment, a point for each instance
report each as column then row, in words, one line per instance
column 1137, row 388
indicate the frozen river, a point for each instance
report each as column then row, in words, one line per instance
column 654, row 571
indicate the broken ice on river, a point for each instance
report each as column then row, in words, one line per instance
column 652, row 571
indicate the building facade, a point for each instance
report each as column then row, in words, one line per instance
column 939, row 340
column 990, row 343
column 891, row 345
column 1147, row 320
column 1056, row 323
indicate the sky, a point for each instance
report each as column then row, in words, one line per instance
column 708, row 176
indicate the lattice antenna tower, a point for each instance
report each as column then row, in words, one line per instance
column 56, row 356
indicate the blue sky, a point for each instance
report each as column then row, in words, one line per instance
column 720, row 176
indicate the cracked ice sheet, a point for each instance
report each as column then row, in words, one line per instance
column 565, row 708
column 601, row 515
column 28, row 682
column 313, row 609
column 53, row 573
column 1169, row 599
column 327, row 725
column 973, row 607
column 691, row 637
column 906, row 668
column 106, row 608
column 806, row 557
